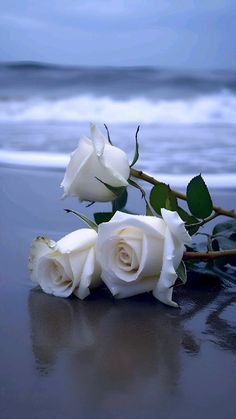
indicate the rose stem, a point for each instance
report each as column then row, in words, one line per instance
column 206, row 220
column 139, row 174
column 209, row 255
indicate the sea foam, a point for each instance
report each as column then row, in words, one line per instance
column 59, row 161
column 218, row 108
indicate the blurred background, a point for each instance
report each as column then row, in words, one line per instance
column 167, row 65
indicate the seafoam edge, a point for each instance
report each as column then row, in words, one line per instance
column 58, row 161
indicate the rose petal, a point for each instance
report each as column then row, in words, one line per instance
column 59, row 267
column 108, row 259
column 116, row 165
column 133, row 238
column 147, row 224
column 90, row 276
column 99, row 140
column 40, row 246
column 71, row 182
column 92, row 160
column 152, row 256
column 90, row 188
column 161, row 252
column 121, row 289
column 78, row 240
column 172, row 256
column 176, row 225
column 53, row 278
column 109, row 237
column 77, row 261
column 63, row 261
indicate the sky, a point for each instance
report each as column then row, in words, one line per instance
column 166, row 33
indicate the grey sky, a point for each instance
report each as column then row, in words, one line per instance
column 173, row 33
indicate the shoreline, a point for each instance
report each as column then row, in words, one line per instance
column 49, row 161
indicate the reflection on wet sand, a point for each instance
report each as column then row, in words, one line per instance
column 51, row 328
column 223, row 331
column 136, row 347
column 109, row 346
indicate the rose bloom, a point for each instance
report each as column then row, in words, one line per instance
column 67, row 266
column 95, row 159
column 141, row 253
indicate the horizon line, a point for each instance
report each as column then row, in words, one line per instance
column 47, row 64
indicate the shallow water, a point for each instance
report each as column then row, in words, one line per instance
column 102, row 358
column 171, row 150
column 187, row 118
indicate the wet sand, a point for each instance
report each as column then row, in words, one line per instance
column 102, row 358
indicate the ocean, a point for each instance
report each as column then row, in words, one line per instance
column 187, row 118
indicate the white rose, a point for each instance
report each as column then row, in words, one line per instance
column 67, row 266
column 95, row 158
column 141, row 253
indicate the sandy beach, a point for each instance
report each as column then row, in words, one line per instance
column 158, row 80
column 102, row 358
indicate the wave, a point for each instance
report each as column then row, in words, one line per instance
column 27, row 65
column 59, row 161
column 169, row 73
column 217, row 108
column 119, row 83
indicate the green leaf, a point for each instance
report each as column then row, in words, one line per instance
column 189, row 220
column 171, row 200
column 182, row 272
column 198, row 198
column 186, row 217
column 224, row 238
column 115, row 190
column 158, row 196
column 120, row 202
column 86, row 220
column 161, row 196
column 102, row 217
column 227, row 228
column 225, row 243
column 136, row 152
column 212, row 269
column 233, row 237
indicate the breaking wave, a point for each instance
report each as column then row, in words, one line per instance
column 218, row 108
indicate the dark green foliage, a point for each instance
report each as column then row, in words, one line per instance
column 181, row 272
column 189, row 220
column 198, row 198
column 225, row 274
column 161, row 196
column 227, row 228
column 224, row 238
column 120, row 202
column 102, row 217
column 115, row 190
column 224, row 268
